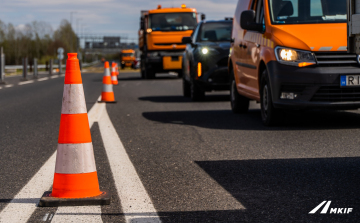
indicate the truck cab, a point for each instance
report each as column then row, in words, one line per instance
column 160, row 38
column 292, row 54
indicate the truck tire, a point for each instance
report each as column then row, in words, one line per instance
column 196, row 93
column 239, row 103
column 186, row 88
column 269, row 114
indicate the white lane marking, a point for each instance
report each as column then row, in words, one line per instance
column 26, row 82
column 9, row 85
column 21, row 210
column 0, row 88
column 95, row 112
column 133, row 196
column 55, row 76
column 62, row 75
column 43, row 79
column 24, row 203
column 77, row 214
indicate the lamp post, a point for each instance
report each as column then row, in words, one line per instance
column 71, row 38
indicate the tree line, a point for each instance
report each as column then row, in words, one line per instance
column 35, row 40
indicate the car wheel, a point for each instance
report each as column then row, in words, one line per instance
column 269, row 114
column 239, row 103
column 186, row 88
column 196, row 93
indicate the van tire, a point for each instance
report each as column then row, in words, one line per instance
column 239, row 104
column 269, row 114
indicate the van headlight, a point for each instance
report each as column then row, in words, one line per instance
column 208, row 50
column 299, row 58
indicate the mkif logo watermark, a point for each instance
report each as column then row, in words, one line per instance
column 332, row 210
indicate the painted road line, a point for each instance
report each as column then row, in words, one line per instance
column 0, row 88
column 29, row 196
column 135, row 201
column 55, row 76
column 62, row 75
column 24, row 203
column 9, row 85
column 43, row 79
column 26, row 82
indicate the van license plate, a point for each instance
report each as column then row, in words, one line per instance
column 350, row 80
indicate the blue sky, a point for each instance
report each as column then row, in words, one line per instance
column 116, row 17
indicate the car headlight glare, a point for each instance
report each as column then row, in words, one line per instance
column 299, row 58
column 204, row 50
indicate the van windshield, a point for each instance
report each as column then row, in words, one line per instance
column 172, row 21
column 308, row 11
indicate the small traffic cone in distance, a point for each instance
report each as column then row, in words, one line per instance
column 75, row 179
column 114, row 79
column 117, row 69
column 107, row 94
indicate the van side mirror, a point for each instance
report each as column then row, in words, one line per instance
column 247, row 21
column 186, row 40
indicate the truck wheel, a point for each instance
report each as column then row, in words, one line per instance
column 196, row 93
column 186, row 88
column 269, row 114
column 239, row 103
column 149, row 74
column 180, row 73
column 142, row 68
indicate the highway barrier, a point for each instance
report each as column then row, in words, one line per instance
column 75, row 180
column 114, row 79
column 107, row 94
column 2, row 67
column 25, row 65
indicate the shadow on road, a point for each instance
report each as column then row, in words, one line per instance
column 181, row 99
column 287, row 190
column 225, row 119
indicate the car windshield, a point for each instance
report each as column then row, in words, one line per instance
column 128, row 54
column 215, row 32
column 308, row 11
column 172, row 21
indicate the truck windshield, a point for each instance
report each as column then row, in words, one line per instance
column 127, row 54
column 172, row 21
column 215, row 32
column 307, row 11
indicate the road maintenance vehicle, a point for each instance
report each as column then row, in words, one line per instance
column 127, row 59
column 292, row 55
column 160, row 39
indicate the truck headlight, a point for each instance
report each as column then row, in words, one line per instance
column 293, row 57
column 204, row 50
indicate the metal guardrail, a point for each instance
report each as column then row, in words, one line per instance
column 20, row 67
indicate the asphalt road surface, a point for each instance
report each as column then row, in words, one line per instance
column 186, row 161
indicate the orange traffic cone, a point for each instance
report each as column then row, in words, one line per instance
column 107, row 94
column 117, row 69
column 114, row 79
column 75, row 179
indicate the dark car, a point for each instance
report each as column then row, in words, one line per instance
column 206, row 58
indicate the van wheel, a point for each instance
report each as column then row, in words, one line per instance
column 186, row 88
column 196, row 93
column 239, row 103
column 269, row 114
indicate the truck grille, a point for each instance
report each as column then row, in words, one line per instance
column 335, row 59
column 336, row 94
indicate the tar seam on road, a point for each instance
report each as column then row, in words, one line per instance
column 135, row 201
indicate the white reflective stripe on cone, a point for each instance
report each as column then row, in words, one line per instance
column 107, row 72
column 73, row 99
column 107, row 88
column 75, row 158
column 113, row 78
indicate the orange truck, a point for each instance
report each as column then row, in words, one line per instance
column 160, row 39
column 127, row 58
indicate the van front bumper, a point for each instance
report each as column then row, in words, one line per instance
column 314, row 86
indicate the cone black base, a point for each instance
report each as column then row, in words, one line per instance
column 113, row 102
column 48, row 201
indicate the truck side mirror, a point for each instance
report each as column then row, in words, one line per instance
column 186, row 40
column 247, row 21
column 203, row 17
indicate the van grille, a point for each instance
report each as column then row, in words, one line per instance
column 335, row 59
column 336, row 94
column 292, row 88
